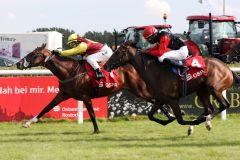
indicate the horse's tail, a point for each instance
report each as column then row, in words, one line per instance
column 236, row 77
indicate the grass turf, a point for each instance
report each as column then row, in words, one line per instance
column 120, row 140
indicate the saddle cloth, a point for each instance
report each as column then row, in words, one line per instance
column 197, row 68
column 110, row 78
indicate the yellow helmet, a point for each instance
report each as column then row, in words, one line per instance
column 72, row 38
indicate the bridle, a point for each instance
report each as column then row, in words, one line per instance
column 27, row 61
column 120, row 61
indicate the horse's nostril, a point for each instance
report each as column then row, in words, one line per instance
column 19, row 66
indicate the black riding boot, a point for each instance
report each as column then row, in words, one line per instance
column 99, row 73
column 184, row 68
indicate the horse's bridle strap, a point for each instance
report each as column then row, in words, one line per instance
column 49, row 57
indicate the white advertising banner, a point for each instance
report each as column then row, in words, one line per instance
column 15, row 46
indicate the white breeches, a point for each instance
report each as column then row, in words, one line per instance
column 177, row 55
column 102, row 56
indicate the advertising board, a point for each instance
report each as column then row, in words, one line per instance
column 16, row 46
column 24, row 97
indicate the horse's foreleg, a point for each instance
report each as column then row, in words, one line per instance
column 88, row 103
column 177, row 112
column 59, row 98
column 167, row 111
column 209, row 109
column 155, row 107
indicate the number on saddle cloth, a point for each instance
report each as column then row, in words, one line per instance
column 194, row 63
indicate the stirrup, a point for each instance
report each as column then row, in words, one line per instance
column 99, row 75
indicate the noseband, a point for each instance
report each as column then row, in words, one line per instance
column 28, row 60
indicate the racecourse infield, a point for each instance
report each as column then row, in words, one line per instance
column 120, row 140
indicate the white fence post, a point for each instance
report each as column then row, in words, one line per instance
column 224, row 112
column 80, row 112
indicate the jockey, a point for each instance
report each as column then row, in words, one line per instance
column 93, row 51
column 169, row 48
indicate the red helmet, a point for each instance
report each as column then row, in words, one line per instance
column 149, row 31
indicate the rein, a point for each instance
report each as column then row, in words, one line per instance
column 142, row 59
column 50, row 57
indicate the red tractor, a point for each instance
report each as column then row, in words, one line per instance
column 207, row 35
column 135, row 34
column 215, row 36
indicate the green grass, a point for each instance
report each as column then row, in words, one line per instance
column 120, row 140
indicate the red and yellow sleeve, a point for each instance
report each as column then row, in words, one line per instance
column 80, row 49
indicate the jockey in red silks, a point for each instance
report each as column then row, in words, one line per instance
column 169, row 48
column 93, row 51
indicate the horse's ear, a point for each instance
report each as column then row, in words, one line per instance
column 44, row 45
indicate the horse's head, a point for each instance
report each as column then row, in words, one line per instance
column 36, row 58
column 120, row 57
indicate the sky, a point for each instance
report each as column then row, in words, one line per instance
column 20, row 16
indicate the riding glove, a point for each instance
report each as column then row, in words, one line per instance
column 56, row 52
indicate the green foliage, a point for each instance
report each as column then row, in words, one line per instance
column 105, row 37
column 65, row 33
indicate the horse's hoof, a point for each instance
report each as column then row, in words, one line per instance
column 209, row 126
column 26, row 125
column 96, row 132
column 190, row 130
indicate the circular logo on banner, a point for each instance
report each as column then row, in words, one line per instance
column 56, row 109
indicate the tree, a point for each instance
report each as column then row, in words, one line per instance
column 65, row 33
column 105, row 37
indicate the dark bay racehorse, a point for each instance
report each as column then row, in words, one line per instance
column 166, row 87
column 74, row 82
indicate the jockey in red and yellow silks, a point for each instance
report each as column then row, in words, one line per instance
column 168, row 48
column 94, row 51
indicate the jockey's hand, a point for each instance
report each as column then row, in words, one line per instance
column 56, row 52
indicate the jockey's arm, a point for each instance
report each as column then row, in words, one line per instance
column 80, row 49
column 161, row 48
column 153, row 51
column 163, row 43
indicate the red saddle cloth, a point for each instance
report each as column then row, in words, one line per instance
column 110, row 78
column 197, row 68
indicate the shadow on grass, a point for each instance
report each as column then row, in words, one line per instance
column 129, row 142
column 189, row 144
column 40, row 134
